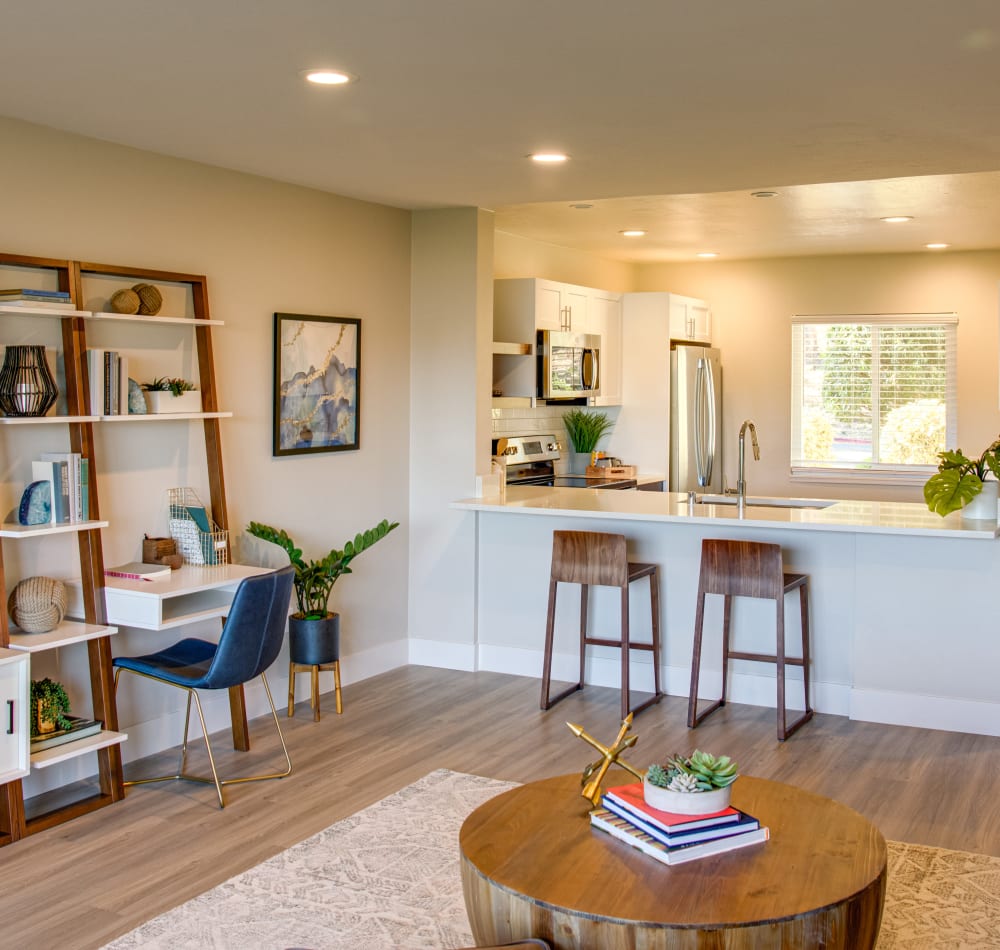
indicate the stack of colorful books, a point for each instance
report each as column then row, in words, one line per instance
column 39, row 299
column 670, row 838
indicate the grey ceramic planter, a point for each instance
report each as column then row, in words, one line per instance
column 314, row 642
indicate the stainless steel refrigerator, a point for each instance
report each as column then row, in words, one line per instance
column 695, row 419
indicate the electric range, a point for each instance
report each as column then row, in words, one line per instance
column 530, row 460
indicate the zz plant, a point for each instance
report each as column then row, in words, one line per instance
column 314, row 580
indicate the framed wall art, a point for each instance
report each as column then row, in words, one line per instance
column 317, row 365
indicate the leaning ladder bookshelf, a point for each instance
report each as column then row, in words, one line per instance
column 72, row 276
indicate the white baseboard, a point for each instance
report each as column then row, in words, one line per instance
column 927, row 712
column 442, row 654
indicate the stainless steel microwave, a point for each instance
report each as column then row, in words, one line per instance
column 569, row 364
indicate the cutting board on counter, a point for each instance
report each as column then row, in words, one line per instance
column 613, row 471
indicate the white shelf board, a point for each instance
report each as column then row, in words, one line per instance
column 10, row 530
column 58, row 312
column 145, row 318
column 511, row 349
column 68, row 632
column 165, row 416
column 70, row 750
column 42, row 420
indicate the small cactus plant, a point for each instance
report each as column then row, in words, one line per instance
column 699, row 772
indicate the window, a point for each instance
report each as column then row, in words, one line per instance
column 872, row 394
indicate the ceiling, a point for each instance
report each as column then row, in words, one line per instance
column 850, row 109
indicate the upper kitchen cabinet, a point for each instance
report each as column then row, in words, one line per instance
column 690, row 319
column 522, row 305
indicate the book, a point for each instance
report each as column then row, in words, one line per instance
column 744, row 823
column 72, row 461
column 136, row 571
column 84, row 489
column 35, row 303
column 79, row 729
column 33, row 292
column 625, row 831
column 630, row 798
column 56, row 473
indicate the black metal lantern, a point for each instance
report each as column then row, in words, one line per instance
column 26, row 384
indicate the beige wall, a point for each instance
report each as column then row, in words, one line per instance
column 265, row 247
column 752, row 302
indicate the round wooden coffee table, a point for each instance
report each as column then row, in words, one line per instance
column 532, row 866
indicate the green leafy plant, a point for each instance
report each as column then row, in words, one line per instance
column 586, row 429
column 314, row 580
column 173, row 384
column 50, row 703
column 959, row 479
column 699, row 772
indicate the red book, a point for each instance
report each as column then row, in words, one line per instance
column 629, row 797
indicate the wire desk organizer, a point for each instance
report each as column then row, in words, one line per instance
column 199, row 539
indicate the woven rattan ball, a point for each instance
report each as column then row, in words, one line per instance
column 150, row 299
column 125, row 301
column 37, row 604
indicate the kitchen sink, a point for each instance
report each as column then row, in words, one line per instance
column 761, row 502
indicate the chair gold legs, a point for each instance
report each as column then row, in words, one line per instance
column 314, row 670
column 181, row 772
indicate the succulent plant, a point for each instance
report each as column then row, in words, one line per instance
column 699, row 772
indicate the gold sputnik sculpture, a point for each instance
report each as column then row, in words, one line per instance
column 594, row 773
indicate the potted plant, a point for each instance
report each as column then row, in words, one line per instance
column 961, row 482
column 171, row 394
column 314, row 630
column 698, row 784
column 49, row 706
column 585, row 430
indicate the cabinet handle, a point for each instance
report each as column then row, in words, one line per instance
column 10, row 717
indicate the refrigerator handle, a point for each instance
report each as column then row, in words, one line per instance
column 712, row 442
column 704, row 414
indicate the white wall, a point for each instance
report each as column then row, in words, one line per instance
column 265, row 247
column 753, row 301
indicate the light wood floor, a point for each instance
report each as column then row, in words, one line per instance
column 85, row 882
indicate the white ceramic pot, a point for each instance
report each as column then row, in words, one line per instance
column 686, row 803
column 164, row 401
column 984, row 506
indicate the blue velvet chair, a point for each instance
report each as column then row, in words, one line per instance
column 248, row 645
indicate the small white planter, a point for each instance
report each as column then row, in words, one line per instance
column 686, row 803
column 984, row 506
column 164, row 401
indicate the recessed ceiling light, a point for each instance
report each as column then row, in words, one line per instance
column 707, row 254
column 763, row 194
column 581, row 206
column 897, row 219
column 328, row 77
column 938, row 246
column 549, row 158
column 632, row 232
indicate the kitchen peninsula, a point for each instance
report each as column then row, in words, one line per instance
column 901, row 600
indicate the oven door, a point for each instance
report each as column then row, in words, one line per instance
column 591, row 481
column 569, row 365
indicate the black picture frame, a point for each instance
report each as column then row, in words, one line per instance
column 317, row 373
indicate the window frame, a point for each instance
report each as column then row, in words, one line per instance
column 877, row 473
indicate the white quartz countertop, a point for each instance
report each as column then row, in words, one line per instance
column 868, row 517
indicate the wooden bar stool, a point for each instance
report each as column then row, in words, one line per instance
column 591, row 558
column 750, row 569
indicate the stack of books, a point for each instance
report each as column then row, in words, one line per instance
column 79, row 729
column 670, row 838
column 27, row 298
column 68, row 475
column 107, row 371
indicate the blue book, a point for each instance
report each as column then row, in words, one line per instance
column 743, row 823
column 30, row 292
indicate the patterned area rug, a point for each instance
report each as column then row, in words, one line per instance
column 388, row 877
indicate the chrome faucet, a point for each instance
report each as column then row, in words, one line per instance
column 741, row 480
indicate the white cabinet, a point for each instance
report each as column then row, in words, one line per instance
column 14, row 735
column 522, row 305
column 604, row 311
column 690, row 319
